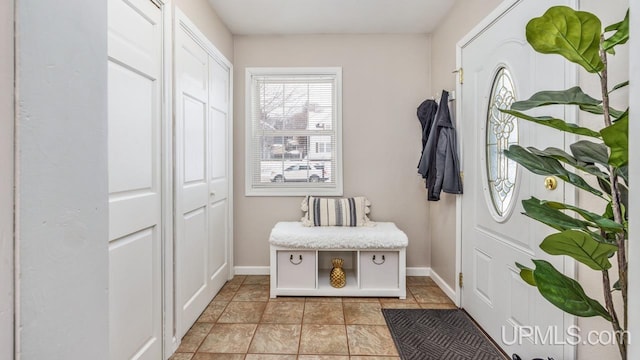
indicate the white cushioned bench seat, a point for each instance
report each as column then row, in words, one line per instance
column 292, row 234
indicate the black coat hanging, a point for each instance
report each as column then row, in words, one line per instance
column 439, row 164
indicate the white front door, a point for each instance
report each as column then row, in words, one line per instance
column 499, row 66
column 202, row 199
column 134, row 128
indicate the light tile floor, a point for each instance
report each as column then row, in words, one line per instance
column 243, row 323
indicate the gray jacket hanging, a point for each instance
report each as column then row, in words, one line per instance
column 426, row 114
column 439, row 164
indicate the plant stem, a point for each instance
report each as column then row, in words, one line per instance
column 617, row 214
column 608, row 299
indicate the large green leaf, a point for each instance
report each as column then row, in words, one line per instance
column 616, row 286
column 581, row 247
column 597, row 220
column 562, row 156
column 547, row 166
column 539, row 210
column 597, row 110
column 526, row 274
column 565, row 293
column 590, row 152
column 572, row 34
column 594, row 170
column 573, row 96
column 619, row 86
column 605, row 185
column 624, row 195
column 623, row 172
column 620, row 36
column 616, row 137
column 622, row 116
column 555, row 153
column 554, row 123
column 624, row 191
column 609, row 213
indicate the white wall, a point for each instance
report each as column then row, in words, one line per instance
column 62, row 213
column 385, row 78
column 462, row 17
column 6, row 180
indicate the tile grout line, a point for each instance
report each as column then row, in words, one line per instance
column 256, row 330
column 214, row 325
column 304, row 307
column 346, row 333
column 218, row 318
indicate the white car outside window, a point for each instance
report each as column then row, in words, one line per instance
column 304, row 173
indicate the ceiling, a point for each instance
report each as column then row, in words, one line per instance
column 255, row 17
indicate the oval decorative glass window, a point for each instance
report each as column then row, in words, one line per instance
column 502, row 132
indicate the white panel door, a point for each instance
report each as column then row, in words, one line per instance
column 202, row 131
column 495, row 234
column 219, row 168
column 134, row 125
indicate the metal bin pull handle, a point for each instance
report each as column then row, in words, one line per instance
column 378, row 263
column 295, row 263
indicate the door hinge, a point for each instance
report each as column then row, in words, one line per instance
column 460, row 73
column 460, row 279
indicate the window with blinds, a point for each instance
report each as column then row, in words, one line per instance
column 293, row 130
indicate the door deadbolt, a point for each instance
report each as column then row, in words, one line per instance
column 550, row 183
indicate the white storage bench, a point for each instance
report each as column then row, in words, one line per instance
column 374, row 260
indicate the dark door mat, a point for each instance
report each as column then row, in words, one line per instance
column 426, row 334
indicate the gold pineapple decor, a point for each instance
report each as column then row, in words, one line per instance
column 337, row 276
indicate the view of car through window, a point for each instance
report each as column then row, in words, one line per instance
column 300, row 172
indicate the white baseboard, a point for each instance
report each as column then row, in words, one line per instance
column 264, row 270
column 251, row 270
column 411, row 271
column 444, row 286
column 418, row 271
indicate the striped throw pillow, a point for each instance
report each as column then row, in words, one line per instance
column 336, row 211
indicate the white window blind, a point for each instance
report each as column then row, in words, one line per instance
column 293, row 131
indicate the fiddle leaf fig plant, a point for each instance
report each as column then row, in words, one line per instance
column 593, row 239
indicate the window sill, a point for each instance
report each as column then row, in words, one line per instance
column 301, row 191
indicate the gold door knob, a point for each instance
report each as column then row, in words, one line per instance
column 550, row 183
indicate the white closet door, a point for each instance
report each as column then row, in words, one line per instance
column 202, row 177
column 219, row 172
column 134, row 125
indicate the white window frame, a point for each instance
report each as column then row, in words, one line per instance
column 300, row 189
